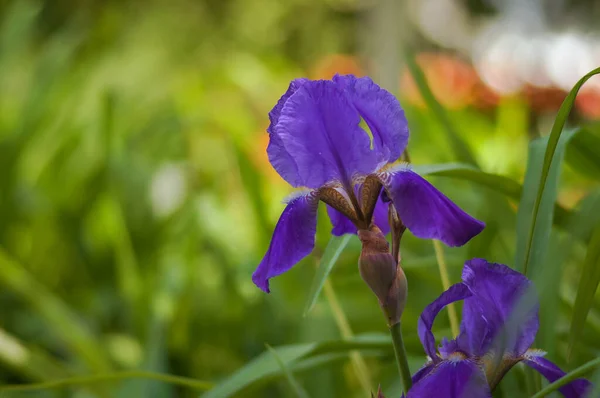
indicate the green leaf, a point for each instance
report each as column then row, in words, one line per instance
column 334, row 248
column 498, row 183
column 569, row 377
column 501, row 184
column 553, row 141
column 297, row 357
column 590, row 278
column 525, row 257
column 583, row 153
column 459, row 146
column 294, row 384
column 264, row 366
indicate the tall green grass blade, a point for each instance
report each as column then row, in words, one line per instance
column 294, row 384
column 588, row 284
column 531, row 252
column 332, row 252
column 569, row 377
column 583, row 153
column 459, row 146
column 65, row 324
column 553, row 141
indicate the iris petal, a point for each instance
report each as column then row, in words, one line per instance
column 293, row 239
column 550, row 371
column 382, row 113
column 317, row 138
column 426, row 212
column 452, row 379
column 342, row 225
column 498, row 304
column 454, row 293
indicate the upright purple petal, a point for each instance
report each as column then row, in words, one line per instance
column 498, row 305
column 276, row 111
column 551, row 372
column 286, row 163
column 426, row 212
column 317, row 138
column 456, row 378
column 454, row 293
column 382, row 112
column 293, row 239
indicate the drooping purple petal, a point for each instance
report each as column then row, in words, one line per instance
column 426, row 212
column 341, row 224
column 382, row 112
column 293, row 239
column 551, row 372
column 454, row 293
column 456, row 378
column 317, row 138
column 501, row 311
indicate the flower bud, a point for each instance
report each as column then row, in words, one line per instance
column 381, row 272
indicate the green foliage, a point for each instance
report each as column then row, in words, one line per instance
column 136, row 199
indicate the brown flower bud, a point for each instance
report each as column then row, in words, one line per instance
column 381, row 272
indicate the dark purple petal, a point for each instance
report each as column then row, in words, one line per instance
column 454, row 293
column 293, row 239
column 382, row 112
column 426, row 212
column 341, row 224
column 276, row 111
column 456, row 378
column 317, row 138
column 550, row 371
column 497, row 305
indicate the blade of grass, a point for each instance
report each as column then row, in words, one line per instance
column 332, row 252
column 588, row 284
column 294, row 384
column 460, row 148
column 441, row 260
column 65, row 324
column 569, row 377
column 108, row 377
column 358, row 362
column 553, row 140
column 541, row 237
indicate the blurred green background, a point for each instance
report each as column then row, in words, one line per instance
column 136, row 197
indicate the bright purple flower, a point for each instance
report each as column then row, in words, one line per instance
column 316, row 142
column 500, row 321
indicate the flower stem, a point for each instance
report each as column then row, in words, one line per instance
column 441, row 260
column 401, row 358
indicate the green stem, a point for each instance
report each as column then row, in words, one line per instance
column 401, row 358
column 82, row 380
column 441, row 260
column 569, row 377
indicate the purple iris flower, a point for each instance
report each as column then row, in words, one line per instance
column 316, row 142
column 488, row 346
